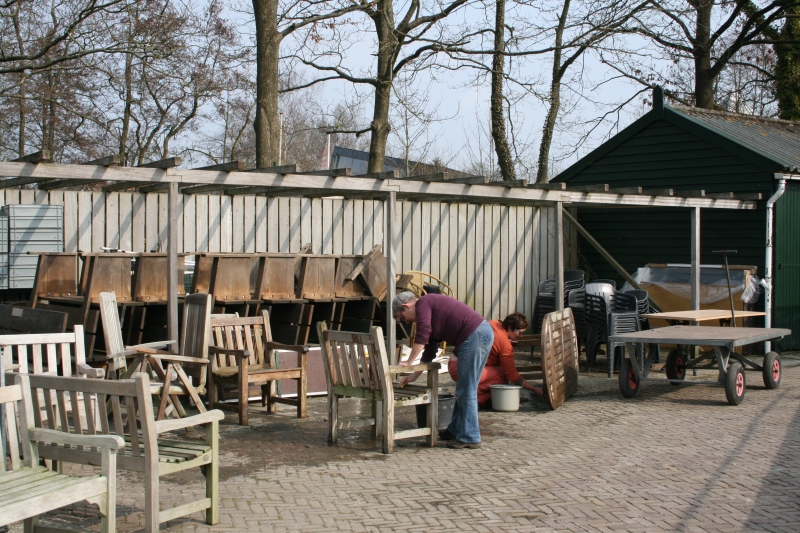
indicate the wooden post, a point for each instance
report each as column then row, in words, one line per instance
column 559, row 209
column 172, row 265
column 695, row 258
column 389, row 236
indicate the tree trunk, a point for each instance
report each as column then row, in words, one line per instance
column 126, row 114
column 22, row 102
column 704, row 77
column 268, row 43
column 504, row 158
column 387, row 53
column 787, row 73
column 555, row 99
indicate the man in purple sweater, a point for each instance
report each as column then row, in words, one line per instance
column 442, row 318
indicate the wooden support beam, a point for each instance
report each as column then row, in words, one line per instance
column 59, row 184
column 231, row 166
column 16, row 182
column 155, row 187
column 42, row 156
column 659, row 192
column 626, row 190
column 282, row 169
column 691, row 194
column 108, row 161
column 391, row 174
column 508, row 183
column 163, row 163
column 735, row 195
column 121, row 186
column 326, row 172
column 602, row 187
column 549, row 186
column 199, row 189
column 436, row 176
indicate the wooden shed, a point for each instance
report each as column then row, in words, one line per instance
column 701, row 153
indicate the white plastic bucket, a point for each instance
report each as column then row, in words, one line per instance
column 505, row 397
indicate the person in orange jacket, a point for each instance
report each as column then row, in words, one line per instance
column 500, row 368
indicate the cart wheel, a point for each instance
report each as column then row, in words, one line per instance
column 628, row 382
column 676, row 365
column 735, row 384
column 772, row 370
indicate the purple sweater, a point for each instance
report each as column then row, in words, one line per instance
column 443, row 318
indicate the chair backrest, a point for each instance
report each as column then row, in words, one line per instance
column 611, row 282
column 109, row 272
column 547, row 286
column 55, row 353
column 242, row 333
column 576, row 298
column 642, row 299
column 235, row 277
column 599, row 288
column 573, row 275
column 15, row 416
column 355, row 360
column 123, row 407
column 196, row 333
column 150, row 277
column 112, row 332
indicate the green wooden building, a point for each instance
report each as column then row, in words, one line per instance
column 689, row 149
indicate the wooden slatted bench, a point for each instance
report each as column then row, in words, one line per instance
column 124, row 408
column 27, row 489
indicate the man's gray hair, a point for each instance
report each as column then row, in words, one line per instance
column 405, row 297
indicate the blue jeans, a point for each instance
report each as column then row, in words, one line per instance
column 472, row 356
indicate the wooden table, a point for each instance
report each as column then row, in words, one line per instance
column 701, row 315
column 636, row 368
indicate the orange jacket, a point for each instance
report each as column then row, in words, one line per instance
column 502, row 353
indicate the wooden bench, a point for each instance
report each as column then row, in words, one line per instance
column 27, row 489
column 244, row 355
column 131, row 417
column 56, row 353
column 356, row 366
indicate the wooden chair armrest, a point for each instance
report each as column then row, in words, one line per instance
column 85, row 369
column 422, row 367
column 179, row 358
column 148, row 345
column 229, row 351
column 109, row 442
column 300, row 348
column 153, row 351
column 214, row 415
column 126, row 353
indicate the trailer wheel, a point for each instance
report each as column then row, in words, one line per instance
column 676, row 365
column 628, row 382
column 735, row 384
column 772, row 370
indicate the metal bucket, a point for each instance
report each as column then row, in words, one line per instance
column 505, row 397
column 447, row 403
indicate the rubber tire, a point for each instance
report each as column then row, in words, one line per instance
column 735, row 384
column 675, row 366
column 628, row 384
column 772, row 370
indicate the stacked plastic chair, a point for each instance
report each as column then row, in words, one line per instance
column 607, row 313
column 546, row 296
column 575, row 302
column 643, row 306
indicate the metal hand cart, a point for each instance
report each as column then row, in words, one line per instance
column 731, row 365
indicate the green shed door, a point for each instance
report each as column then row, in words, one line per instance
column 786, row 294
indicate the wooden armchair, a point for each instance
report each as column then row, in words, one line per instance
column 124, row 409
column 56, row 353
column 243, row 354
column 356, row 366
column 27, row 489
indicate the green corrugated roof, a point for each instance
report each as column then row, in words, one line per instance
column 775, row 139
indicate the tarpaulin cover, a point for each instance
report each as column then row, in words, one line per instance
column 713, row 283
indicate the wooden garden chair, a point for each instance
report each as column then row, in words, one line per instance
column 28, row 489
column 243, row 354
column 356, row 366
column 194, row 351
column 124, row 409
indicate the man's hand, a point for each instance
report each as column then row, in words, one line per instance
column 409, row 379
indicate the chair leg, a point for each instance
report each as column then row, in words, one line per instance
column 272, row 392
column 212, row 473
column 388, row 426
column 151, row 498
column 377, row 414
column 302, row 396
column 333, row 417
column 29, row 524
column 244, row 394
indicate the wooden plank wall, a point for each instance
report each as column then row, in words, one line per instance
column 493, row 256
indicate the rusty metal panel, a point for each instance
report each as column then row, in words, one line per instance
column 277, row 279
column 348, row 289
column 317, row 277
column 150, row 277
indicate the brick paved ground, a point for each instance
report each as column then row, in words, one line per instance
column 673, row 459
